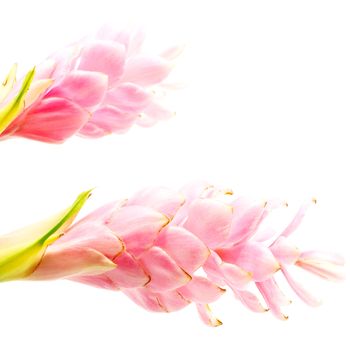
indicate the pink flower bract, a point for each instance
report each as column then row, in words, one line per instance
column 100, row 85
column 174, row 248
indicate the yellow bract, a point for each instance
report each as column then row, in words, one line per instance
column 37, row 88
column 8, row 83
column 12, row 109
column 21, row 251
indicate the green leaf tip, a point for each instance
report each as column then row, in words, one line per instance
column 21, row 251
column 12, row 109
column 72, row 212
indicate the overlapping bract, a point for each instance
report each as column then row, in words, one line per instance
column 173, row 248
column 97, row 86
column 22, row 250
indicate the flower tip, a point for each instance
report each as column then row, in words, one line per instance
column 207, row 316
column 228, row 191
column 148, row 281
column 165, row 220
column 187, row 276
column 90, row 190
column 277, row 267
column 217, row 323
column 84, row 196
column 222, row 290
column 11, row 76
column 111, row 264
column 88, row 193
column 249, row 275
column 29, row 78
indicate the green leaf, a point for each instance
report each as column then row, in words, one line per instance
column 21, row 251
column 11, row 111
column 8, row 83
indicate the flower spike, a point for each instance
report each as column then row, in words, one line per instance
column 166, row 249
column 100, row 85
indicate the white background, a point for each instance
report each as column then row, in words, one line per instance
column 266, row 112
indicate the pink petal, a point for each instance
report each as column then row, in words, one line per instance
column 165, row 273
column 194, row 190
column 128, row 98
column 210, row 221
column 128, row 273
column 323, row 256
column 37, row 91
column 145, row 299
column 187, row 250
column 285, row 252
column 102, row 214
column 92, row 130
column 92, row 235
column 250, row 300
column 201, row 290
column 299, row 290
column 191, row 192
column 105, row 57
column 294, row 224
column 324, row 269
column 135, row 42
column 65, row 60
column 137, row 226
column 64, row 261
column 274, row 297
column 107, row 120
column 146, row 70
column 145, row 121
column 45, row 69
column 253, row 258
column 212, row 268
column 230, row 274
column 245, row 224
column 87, row 89
column 131, row 38
column 157, row 111
column 265, row 234
column 52, row 120
column 97, row 281
column 160, row 199
column 136, row 38
column 172, row 301
column 234, row 276
column 207, row 316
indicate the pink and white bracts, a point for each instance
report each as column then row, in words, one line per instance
column 173, row 248
column 100, row 85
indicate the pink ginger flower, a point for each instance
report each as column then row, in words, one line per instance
column 167, row 249
column 97, row 86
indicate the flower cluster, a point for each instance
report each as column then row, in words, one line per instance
column 166, row 249
column 100, row 85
